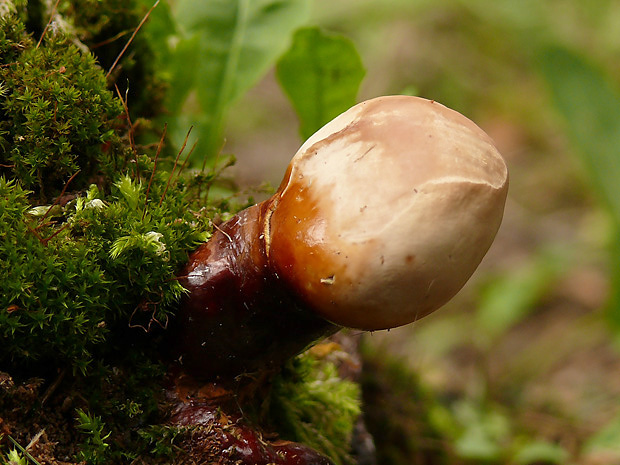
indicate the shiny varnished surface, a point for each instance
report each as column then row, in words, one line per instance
column 220, row 435
column 238, row 316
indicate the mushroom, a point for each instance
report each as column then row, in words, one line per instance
column 382, row 216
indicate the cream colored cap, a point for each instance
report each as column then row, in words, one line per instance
column 386, row 212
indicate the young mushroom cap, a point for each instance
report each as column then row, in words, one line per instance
column 386, row 212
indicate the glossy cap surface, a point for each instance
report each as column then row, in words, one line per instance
column 386, row 212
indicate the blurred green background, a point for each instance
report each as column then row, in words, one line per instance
column 522, row 367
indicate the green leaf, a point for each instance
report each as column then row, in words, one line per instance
column 606, row 441
column 16, row 456
column 159, row 27
column 590, row 105
column 13, row 457
column 321, row 74
column 507, row 299
column 182, row 79
column 485, row 432
column 541, row 452
column 233, row 43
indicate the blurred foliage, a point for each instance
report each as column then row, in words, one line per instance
column 590, row 105
column 321, row 74
column 214, row 52
column 584, row 95
column 588, row 99
column 605, row 442
column 506, row 299
column 404, row 418
column 223, row 47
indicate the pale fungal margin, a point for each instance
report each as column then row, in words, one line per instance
column 392, row 177
column 381, row 218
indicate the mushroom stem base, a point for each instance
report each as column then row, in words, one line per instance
column 238, row 315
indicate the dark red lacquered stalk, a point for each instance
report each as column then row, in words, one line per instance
column 239, row 316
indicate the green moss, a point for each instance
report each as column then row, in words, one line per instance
column 103, row 258
column 106, row 262
column 13, row 37
column 57, row 114
column 105, row 27
column 311, row 404
column 57, row 118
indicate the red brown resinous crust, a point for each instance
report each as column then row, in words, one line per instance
column 216, row 437
column 381, row 218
